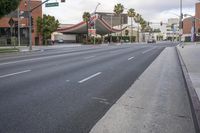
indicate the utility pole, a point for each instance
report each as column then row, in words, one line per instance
column 30, row 27
column 18, row 18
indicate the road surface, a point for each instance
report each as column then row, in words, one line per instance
column 69, row 89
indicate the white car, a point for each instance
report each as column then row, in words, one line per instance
column 60, row 41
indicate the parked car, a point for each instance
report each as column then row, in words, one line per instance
column 60, row 41
column 151, row 41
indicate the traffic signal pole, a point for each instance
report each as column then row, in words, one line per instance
column 30, row 27
column 29, row 20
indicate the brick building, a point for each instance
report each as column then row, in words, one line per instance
column 5, row 28
column 188, row 23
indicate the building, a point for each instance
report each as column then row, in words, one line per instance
column 77, row 32
column 188, row 24
column 172, row 29
column 6, row 29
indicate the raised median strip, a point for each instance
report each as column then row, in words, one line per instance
column 193, row 97
column 8, row 50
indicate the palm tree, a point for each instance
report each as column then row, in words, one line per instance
column 131, row 14
column 118, row 9
column 143, row 24
column 138, row 19
column 86, row 18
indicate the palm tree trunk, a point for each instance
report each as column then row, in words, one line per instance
column 87, row 33
column 138, row 33
column 131, row 30
column 121, row 27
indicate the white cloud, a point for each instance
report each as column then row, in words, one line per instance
column 152, row 10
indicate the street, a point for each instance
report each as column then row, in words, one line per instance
column 67, row 90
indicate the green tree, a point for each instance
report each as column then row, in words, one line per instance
column 7, row 6
column 143, row 24
column 86, row 17
column 118, row 9
column 46, row 26
column 131, row 14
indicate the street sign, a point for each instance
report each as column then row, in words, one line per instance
column 92, row 32
column 11, row 22
column 52, row 4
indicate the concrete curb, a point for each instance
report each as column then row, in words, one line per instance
column 193, row 97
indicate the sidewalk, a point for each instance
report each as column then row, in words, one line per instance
column 156, row 103
column 190, row 56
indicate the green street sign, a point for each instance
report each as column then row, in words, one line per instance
column 52, row 4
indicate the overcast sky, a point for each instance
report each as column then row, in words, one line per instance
column 71, row 11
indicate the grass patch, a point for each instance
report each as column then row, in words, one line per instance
column 8, row 50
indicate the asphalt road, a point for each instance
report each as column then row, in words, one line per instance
column 67, row 90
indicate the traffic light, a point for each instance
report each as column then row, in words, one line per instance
column 32, row 21
column 161, row 23
column 62, row 0
column 148, row 23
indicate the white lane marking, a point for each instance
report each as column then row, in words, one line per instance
column 148, row 50
column 35, row 59
column 12, row 74
column 97, row 98
column 90, row 77
column 131, row 58
column 89, row 57
column 67, row 80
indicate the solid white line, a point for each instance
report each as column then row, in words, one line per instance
column 90, row 77
column 35, row 59
column 12, row 74
column 148, row 50
column 97, row 98
column 131, row 58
